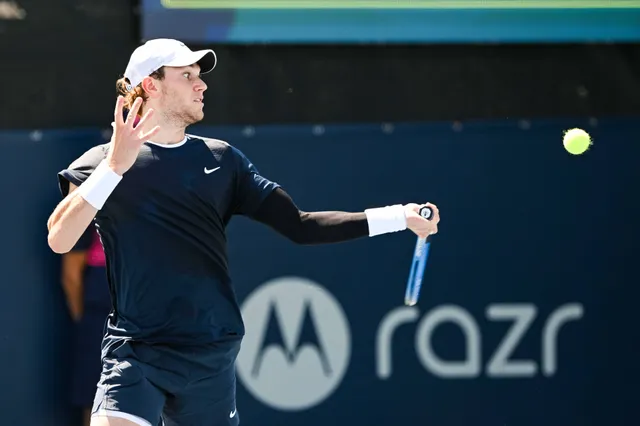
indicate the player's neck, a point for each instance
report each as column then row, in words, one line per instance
column 169, row 134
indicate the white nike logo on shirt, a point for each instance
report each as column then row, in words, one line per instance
column 233, row 413
column 207, row 171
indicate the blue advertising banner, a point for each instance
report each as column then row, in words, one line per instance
column 375, row 21
column 522, row 314
column 527, row 310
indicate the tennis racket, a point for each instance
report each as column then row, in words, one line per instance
column 419, row 263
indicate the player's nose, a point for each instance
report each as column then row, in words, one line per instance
column 200, row 86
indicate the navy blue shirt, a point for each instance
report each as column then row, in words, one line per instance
column 85, row 240
column 163, row 231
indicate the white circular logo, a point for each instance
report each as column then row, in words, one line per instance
column 297, row 344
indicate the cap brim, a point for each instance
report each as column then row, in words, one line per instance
column 205, row 58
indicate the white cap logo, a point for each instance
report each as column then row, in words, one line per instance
column 297, row 344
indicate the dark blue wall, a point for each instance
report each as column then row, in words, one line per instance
column 526, row 229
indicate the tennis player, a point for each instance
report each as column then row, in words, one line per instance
column 161, row 200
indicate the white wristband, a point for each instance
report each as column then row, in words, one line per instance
column 383, row 220
column 99, row 185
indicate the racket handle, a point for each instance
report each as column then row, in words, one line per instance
column 420, row 255
column 426, row 212
column 417, row 273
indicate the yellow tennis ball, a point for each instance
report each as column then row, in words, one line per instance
column 576, row 141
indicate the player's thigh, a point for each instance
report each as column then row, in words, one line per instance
column 209, row 402
column 124, row 393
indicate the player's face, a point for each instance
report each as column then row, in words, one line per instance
column 183, row 94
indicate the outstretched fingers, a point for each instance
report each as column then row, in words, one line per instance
column 150, row 134
column 145, row 117
column 133, row 113
column 141, row 123
column 117, row 114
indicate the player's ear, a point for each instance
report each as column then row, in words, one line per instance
column 150, row 86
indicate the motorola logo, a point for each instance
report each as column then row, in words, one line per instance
column 297, row 344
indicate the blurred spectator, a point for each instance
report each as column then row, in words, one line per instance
column 85, row 285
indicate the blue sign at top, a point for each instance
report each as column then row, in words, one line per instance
column 401, row 21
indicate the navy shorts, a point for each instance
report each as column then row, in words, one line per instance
column 160, row 384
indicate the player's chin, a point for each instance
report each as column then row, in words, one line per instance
column 196, row 116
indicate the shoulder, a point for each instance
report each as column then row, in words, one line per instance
column 82, row 167
column 91, row 157
column 220, row 149
column 212, row 143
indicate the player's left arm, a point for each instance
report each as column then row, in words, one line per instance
column 279, row 211
column 268, row 203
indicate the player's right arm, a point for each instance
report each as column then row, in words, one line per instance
column 96, row 176
column 69, row 221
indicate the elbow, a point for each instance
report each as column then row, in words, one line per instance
column 301, row 233
column 53, row 242
column 58, row 248
column 56, row 245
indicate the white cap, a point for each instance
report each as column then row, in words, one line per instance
column 161, row 52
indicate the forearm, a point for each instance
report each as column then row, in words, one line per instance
column 72, row 216
column 68, row 222
column 331, row 227
column 279, row 212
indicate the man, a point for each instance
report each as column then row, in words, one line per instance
column 161, row 200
